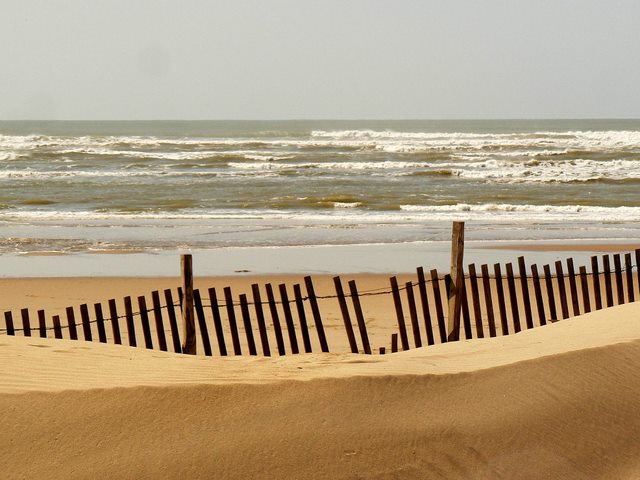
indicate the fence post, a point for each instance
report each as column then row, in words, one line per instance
column 457, row 277
column 188, row 317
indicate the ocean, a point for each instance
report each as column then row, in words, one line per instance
column 149, row 186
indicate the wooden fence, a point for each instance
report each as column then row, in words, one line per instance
column 270, row 320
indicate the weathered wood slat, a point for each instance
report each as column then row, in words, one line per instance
column 513, row 299
column 42, row 323
column 57, row 327
column 144, row 320
column 159, row 321
column 413, row 314
column 248, row 328
column 426, row 314
column 628, row 266
column 526, row 297
column 466, row 315
column 86, row 322
column 277, row 328
column 573, row 287
column 71, row 321
column 537, row 289
column 115, row 323
column 346, row 318
column 26, row 323
column 302, row 318
column 131, row 327
column 102, row 332
column 8, row 320
column 455, row 292
column 437, row 299
column 394, row 342
column 187, row 306
column 584, row 284
column 618, row 276
column 217, row 321
column 291, row 329
column 488, row 300
column 562, row 290
column 362, row 326
column 262, row 325
column 317, row 318
column 173, row 321
column 637, row 252
column 551, row 295
column 202, row 323
column 595, row 274
column 233, row 324
column 475, row 300
column 502, row 304
column 404, row 338
column 608, row 287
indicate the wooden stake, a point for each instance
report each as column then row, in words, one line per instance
column 526, row 298
column 173, row 321
column 404, row 339
column 317, row 318
column 86, row 322
column 360, row 317
column 597, row 293
column 8, row 320
column 562, row 290
column 288, row 317
column 551, row 296
column 157, row 316
column 537, row 288
column 413, row 313
column 43, row 323
column 144, row 320
column 584, row 283
column 217, row 321
column 248, row 328
column 188, row 314
column 437, row 296
column 277, row 328
column 502, row 306
column 102, row 333
column 57, row 327
column 513, row 299
column 394, row 342
column 457, row 278
column 26, row 324
column 488, row 299
column 346, row 318
column 262, row 326
column 115, row 324
column 628, row 266
column 475, row 300
column 71, row 320
column 618, row 276
column 202, row 323
column 422, row 288
column 608, row 288
column 233, row 324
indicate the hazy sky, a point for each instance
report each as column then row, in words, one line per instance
column 235, row 59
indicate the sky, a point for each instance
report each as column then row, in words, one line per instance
column 312, row 59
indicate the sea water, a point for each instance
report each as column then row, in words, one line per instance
column 77, row 187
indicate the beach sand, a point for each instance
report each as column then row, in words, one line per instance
column 558, row 401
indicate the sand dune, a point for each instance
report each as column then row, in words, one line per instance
column 559, row 401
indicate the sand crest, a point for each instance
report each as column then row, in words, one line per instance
column 555, row 402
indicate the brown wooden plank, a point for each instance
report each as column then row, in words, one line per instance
column 437, row 297
column 144, row 320
column 526, row 296
column 188, row 312
column 173, row 321
column 455, row 292
column 488, row 299
column 573, row 287
column 608, row 287
column 71, row 321
column 475, row 300
column 115, row 324
column 357, row 308
column 413, row 314
column 394, row 342
column 42, row 323
column 382, row 350
column 562, row 290
column 131, row 326
column 159, row 322
column 513, row 299
column 502, row 304
column 57, row 327
column 8, row 320
column 346, row 318
column 402, row 328
column 618, row 276
column 302, row 318
column 551, row 296
column 537, row 289
column 233, row 324
column 262, row 325
column 248, row 328
column 86, row 322
column 637, row 252
column 277, row 328
column 317, row 318
column 102, row 333
column 596, row 282
column 26, row 323
column 202, row 323
column 217, row 321
column 628, row 267
column 466, row 315
column 426, row 314
column 584, row 284
column 288, row 317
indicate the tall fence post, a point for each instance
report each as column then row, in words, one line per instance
column 188, row 317
column 457, row 279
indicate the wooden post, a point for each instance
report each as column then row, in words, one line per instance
column 437, row 296
column 102, row 333
column 43, row 323
column 131, row 326
column 262, row 326
column 173, row 321
column 288, row 317
column 637, row 252
column 537, row 288
column 562, row 290
column 8, row 320
column 457, row 277
column 144, row 320
column 277, row 328
column 628, row 266
column 466, row 316
column 302, row 318
column 618, row 275
column 608, row 288
column 248, row 328
column 404, row 339
column 346, row 318
column 317, row 318
column 584, row 283
column 26, row 324
column 157, row 315
column 202, row 323
column 362, row 326
column 71, row 320
column 551, row 296
column 394, row 342
column 475, row 300
column 596, row 282
column 57, row 327
column 573, row 287
column 488, row 299
column 422, row 288
column 526, row 297
column 502, row 306
column 217, row 321
column 188, row 316
column 513, row 299
column 413, row 314
column 115, row 324
column 233, row 324
column 86, row 322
